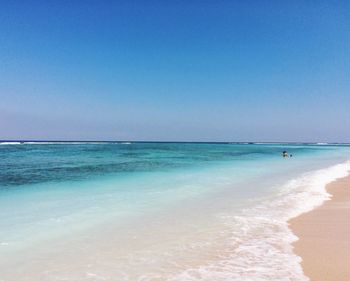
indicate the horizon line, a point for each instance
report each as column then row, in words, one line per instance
column 174, row 141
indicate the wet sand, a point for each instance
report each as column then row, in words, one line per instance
column 324, row 233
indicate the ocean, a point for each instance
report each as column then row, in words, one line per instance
column 139, row 211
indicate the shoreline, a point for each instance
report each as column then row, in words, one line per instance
column 324, row 236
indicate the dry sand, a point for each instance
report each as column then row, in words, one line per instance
column 324, row 234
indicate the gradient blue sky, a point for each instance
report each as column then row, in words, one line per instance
column 175, row 70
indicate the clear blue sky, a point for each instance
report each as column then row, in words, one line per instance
column 175, row 70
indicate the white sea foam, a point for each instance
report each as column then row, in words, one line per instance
column 260, row 246
column 9, row 142
column 54, row 142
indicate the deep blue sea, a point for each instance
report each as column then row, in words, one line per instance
column 158, row 211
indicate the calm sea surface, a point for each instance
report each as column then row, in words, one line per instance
column 157, row 211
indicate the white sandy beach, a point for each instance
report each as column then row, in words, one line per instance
column 324, row 234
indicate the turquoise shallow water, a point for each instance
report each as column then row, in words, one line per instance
column 52, row 192
column 39, row 163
